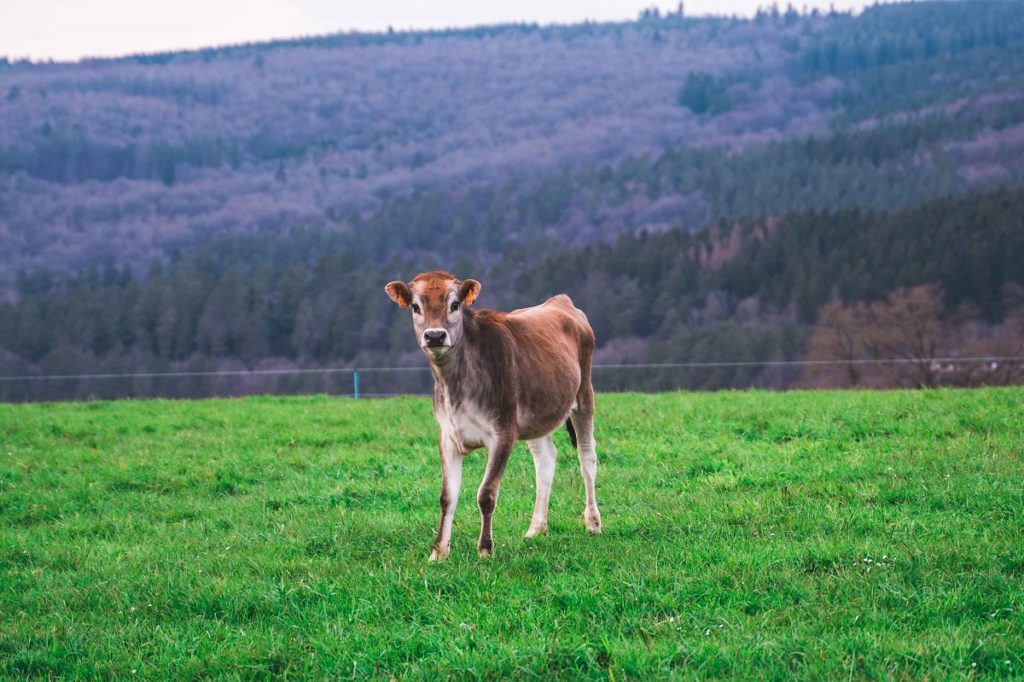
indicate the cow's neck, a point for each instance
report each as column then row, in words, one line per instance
column 454, row 372
column 446, row 369
column 449, row 373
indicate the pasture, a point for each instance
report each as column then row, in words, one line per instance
column 747, row 535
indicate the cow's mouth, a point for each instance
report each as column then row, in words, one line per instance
column 436, row 349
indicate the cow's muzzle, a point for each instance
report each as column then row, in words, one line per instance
column 435, row 338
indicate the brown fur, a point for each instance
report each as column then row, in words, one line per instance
column 527, row 371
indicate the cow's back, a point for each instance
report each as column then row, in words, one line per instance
column 553, row 345
column 555, row 317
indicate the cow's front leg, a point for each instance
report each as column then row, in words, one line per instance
column 451, row 482
column 487, row 496
column 544, row 454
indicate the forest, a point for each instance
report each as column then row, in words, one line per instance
column 746, row 290
column 706, row 188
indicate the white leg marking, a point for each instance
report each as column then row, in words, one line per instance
column 544, row 455
column 452, row 483
column 588, row 467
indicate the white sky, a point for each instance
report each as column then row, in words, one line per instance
column 70, row 29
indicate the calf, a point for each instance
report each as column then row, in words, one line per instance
column 499, row 378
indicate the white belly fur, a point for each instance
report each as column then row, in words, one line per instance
column 467, row 427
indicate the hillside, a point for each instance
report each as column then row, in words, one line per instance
column 706, row 188
column 745, row 291
column 175, row 149
column 133, row 158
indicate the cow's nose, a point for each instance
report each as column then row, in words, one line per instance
column 435, row 337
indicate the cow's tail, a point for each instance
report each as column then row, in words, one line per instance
column 572, row 431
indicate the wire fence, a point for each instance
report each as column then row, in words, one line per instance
column 377, row 382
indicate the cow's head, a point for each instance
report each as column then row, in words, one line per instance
column 436, row 299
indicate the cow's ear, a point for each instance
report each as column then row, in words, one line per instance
column 469, row 290
column 400, row 293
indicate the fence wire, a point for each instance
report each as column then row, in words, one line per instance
column 424, row 368
column 366, row 382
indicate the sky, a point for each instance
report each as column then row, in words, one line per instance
column 71, row 29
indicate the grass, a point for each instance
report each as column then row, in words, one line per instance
column 750, row 535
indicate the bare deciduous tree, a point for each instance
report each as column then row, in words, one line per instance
column 909, row 327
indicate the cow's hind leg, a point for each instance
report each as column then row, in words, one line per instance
column 583, row 421
column 544, row 454
column 451, row 482
column 487, row 496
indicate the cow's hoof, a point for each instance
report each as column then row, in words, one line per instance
column 484, row 553
column 592, row 522
column 439, row 554
column 536, row 529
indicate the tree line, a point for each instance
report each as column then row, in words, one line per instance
column 749, row 290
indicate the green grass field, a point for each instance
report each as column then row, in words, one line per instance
column 751, row 535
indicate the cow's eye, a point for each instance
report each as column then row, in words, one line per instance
column 416, row 308
column 455, row 306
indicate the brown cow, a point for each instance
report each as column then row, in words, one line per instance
column 499, row 378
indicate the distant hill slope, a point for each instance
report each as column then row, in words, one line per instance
column 746, row 291
column 507, row 134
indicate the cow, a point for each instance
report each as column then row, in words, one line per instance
column 499, row 378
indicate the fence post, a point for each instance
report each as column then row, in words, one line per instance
column 355, row 384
